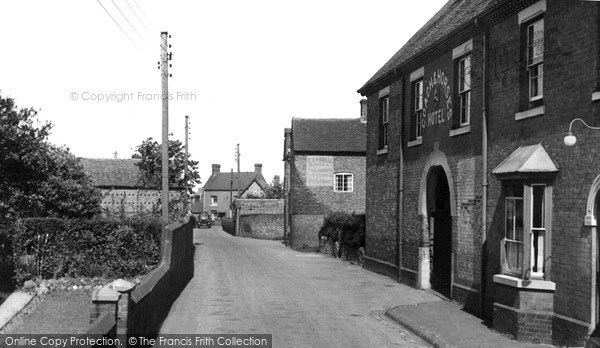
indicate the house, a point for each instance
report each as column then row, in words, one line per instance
column 471, row 188
column 121, row 187
column 324, row 172
column 222, row 188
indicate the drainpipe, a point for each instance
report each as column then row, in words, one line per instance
column 484, row 169
column 400, row 188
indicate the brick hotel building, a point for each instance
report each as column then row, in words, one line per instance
column 471, row 189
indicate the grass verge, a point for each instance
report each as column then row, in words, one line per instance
column 57, row 312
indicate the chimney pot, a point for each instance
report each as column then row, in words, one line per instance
column 363, row 110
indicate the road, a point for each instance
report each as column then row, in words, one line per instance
column 303, row 299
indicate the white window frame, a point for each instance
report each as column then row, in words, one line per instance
column 349, row 182
column 384, row 102
column 464, row 90
column 510, row 234
column 535, row 244
column 535, row 59
column 538, row 234
column 214, row 200
column 417, row 93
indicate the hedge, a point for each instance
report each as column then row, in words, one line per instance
column 51, row 248
column 347, row 229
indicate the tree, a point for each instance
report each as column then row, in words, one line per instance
column 37, row 178
column 274, row 190
column 150, row 153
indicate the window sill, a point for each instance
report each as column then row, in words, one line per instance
column 529, row 113
column 459, row 131
column 415, row 142
column 524, row 284
column 382, row 151
column 595, row 96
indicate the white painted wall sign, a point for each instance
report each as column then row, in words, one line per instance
column 319, row 171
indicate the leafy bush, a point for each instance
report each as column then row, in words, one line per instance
column 228, row 225
column 346, row 229
column 52, row 247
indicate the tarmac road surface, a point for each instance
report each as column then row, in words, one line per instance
column 249, row 286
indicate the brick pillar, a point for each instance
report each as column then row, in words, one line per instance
column 124, row 288
column 104, row 300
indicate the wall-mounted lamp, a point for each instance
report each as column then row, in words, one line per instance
column 570, row 139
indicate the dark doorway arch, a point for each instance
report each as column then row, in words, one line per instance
column 440, row 231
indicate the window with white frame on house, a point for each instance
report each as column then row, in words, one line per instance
column 513, row 241
column 535, row 59
column 384, row 118
column 464, row 90
column 213, row 200
column 418, row 109
column 526, row 235
column 343, row 182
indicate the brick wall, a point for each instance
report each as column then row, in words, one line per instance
column 570, row 78
column 151, row 300
column 462, row 154
column 309, row 204
column 382, row 185
column 571, row 75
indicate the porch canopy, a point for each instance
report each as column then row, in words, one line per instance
column 525, row 162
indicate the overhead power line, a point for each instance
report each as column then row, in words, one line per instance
column 138, row 17
column 130, row 24
column 144, row 14
column 121, row 28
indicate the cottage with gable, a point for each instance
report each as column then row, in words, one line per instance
column 473, row 190
column 221, row 189
column 324, row 172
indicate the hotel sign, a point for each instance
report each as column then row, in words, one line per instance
column 437, row 100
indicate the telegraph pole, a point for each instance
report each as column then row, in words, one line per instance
column 185, row 168
column 164, row 66
column 231, row 194
column 237, row 212
column 238, row 168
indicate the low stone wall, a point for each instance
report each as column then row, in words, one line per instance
column 262, row 226
column 261, row 218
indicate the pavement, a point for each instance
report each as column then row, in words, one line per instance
column 13, row 305
column 445, row 324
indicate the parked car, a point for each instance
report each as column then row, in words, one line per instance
column 203, row 220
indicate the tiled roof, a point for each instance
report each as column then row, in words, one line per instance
column 221, row 181
column 453, row 15
column 329, row 135
column 112, row 172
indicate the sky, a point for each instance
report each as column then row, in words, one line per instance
column 241, row 70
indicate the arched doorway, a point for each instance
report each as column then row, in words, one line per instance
column 597, row 261
column 440, row 231
column 591, row 217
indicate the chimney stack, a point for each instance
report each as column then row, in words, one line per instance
column 258, row 168
column 216, row 169
column 363, row 110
